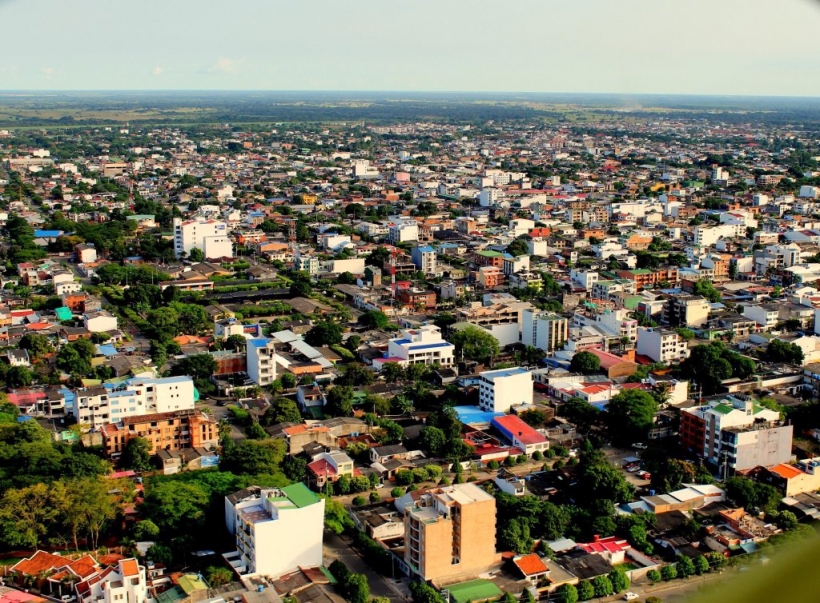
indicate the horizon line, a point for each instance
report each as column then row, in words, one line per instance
column 414, row 92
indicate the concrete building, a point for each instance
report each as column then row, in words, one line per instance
column 424, row 257
column 163, row 431
column 765, row 315
column 683, row 310
column 520, row 435
column 100, row 322
column 261, row 360
column 735, row 426
column 501, row 389
column 277, row 530
column 209, row 236
column 450, row 532
column 423, row 345
column 662, row 345
column 101, row 405
column 403, row 232
column 545, row 330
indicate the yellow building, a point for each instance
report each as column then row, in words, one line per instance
column 309, row 199
column 450, row 532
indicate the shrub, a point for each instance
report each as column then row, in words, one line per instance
column 522, row 458
column 492, row 465
column 537, row 456
column 653, row 576
column 397, row 492
column 654, row 600
column 374, row 497
column 359, row 501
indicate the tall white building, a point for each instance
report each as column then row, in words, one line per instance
column 403, row 232
column 501, row 389
column 424, row 257
column 261, row 360
column 544, row 330
column 423, row 345
column 98, row 406
column 277, row 530
column 662, row 345
column 209, row 236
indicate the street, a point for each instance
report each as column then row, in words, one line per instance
column 336, row 548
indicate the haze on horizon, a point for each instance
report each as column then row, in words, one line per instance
column 730, row 47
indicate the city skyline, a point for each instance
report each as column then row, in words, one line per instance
column 628, row 47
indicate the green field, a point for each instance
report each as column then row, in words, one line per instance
column 474, row 590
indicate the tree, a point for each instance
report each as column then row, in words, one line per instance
column 339, row 401
column 782, row 351
column 377, row 257
column 196, row 255
column 585, row 590
column 136, row 455
column 36, row 344
column 705, row 288
column 685, row 566
column 669, row 572
column 26, row 515
column 177, row 508
column 145, row 530
column 514, row 535
column 355, row 374
column 653, row 576
column 432, row 440
column 374, row 319
column 474, row 343
column 424, row 593
column 580, row 413
column 630, row 415
column 619, row 581
column 288, row 380
column 518, row 247
column 701, row 565
column 324, row 334
column 164, row 323
column 254, row 457
column 19, row 376
column 255, row 431
column 236, row 342
column 585, row 363
column 218, row 576
column 567, row 593
column 598, row 480
column 602, row 586
column 282, row 410
column 709, row 364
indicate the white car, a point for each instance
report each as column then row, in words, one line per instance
column 630, row 596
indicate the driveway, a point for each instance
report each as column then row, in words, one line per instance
column 336, row 548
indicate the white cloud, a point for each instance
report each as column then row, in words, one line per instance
column 48, row 72
column 223, row 65
column 157, row 70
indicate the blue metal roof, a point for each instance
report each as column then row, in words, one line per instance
column 47, row 234
column 424, row 346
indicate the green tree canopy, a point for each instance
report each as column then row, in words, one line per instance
column 630, row 415
column 585, row 363
column 474, row 343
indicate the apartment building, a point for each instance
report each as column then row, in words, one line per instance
column 98, row 406
column 450, row 532
column 765, row 315
column 736, row 431
column 277, row 530
column 662, row 345
column 403, row 232
column 489, row 277
column 261, row 360
column 329, row 467
column 209, row 236
column 501, row 389
column 423, row 345
column 684, row 310
column 425, row 259
column 544, row 330
column 163, row 431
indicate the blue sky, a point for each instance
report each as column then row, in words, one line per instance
column 756, row 47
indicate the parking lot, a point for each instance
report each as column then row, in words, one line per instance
column 618, row 458
column 213, row 408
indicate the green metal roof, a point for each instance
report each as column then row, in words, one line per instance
column 191, row 583
column 299, row 495
column 723, row 409
column 63, row 313
column 490, row 254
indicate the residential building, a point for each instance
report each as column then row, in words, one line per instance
column 662, row 345
column 328, row 467
column 424, row 257
column 163, row 431
column 423, row 345
column 501, row 389
column 684, row 310
column 277, row 530
column 450, row 532
column 544, row 330
column 520, row 435
column 765, row 315
column 403, row 232
column 745, row 423
column 261, row 360
column 100, row 322
column 209, row 236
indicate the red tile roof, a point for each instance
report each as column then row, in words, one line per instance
column 531, row 565
column 518, row 429
column 610, row 544
column 40, row 561
column 129, row 567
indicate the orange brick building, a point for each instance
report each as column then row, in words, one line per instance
column 163, row 431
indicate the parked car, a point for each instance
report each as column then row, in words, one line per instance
column 639, row 446
column 644, row 474
column 633, row 468
column 630, row 596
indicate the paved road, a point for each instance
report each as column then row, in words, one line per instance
column 336, row 548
